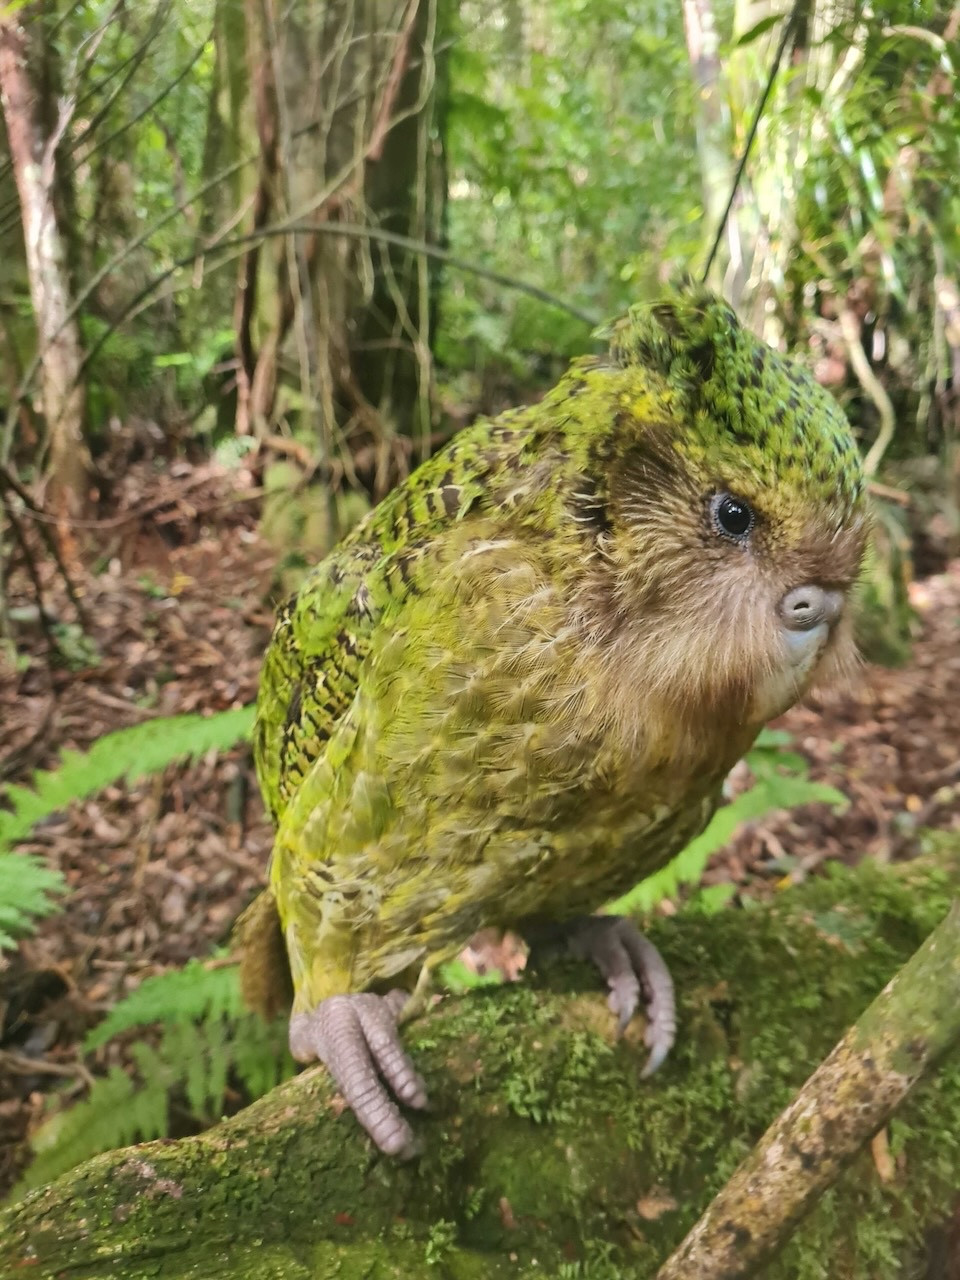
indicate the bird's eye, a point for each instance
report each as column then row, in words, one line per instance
column 732, row 516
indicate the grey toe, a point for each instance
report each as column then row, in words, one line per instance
column 356, row 1038
column 379, row 1025
column 631, row 965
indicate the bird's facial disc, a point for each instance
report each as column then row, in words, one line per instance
column 794, row 623
column 806, row 618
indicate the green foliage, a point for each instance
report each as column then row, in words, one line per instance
column 457, row 978
column 442, row 1238
column 26, row 886
column 207, row 1045
column 564, row 119
column 196, row 992
column 781, row 782
column 127, row 754
column 573, row 133
column 206, row 1037
column 852, row 200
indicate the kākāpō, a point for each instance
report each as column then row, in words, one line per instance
column 515, row 689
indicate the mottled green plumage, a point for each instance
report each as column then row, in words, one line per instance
column 515, row 689
column 732, row 387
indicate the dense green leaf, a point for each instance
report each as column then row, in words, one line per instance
column 127, row 754
column 759, row 29
column 27, row 894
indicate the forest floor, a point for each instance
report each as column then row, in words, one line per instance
column 180, row 614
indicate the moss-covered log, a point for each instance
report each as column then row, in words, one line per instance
column 545, row 1154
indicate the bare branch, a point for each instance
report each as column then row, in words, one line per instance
column 848, row 1099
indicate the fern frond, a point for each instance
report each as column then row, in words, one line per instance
column 99, row 1123
column 261, row 1055
column 26, row 886
column 194, row 993
column 193, row 1061
column 128, row 753
column 770, row 791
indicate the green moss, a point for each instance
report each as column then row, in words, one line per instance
column 543, row 1146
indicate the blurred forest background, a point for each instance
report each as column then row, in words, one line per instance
column 258, row 260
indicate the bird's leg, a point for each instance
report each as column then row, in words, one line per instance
column 418, row 999
column 356, row 1038
column 632, row 966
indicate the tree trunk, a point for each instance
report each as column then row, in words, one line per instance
column 355, row 123
column 545, row 1155
column 223, row 138
column 712, row 125
column 32, row 155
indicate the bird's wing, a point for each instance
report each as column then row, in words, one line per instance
column 323, row 635
column 310, row 672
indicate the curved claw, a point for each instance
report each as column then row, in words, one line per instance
column 630, row 963
column 356, row 1038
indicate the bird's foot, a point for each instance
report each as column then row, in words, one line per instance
column 632, row 966
column 356, row 1038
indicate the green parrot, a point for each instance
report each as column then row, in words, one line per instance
column 515, row 690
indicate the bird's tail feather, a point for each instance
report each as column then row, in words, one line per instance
column 264, row 968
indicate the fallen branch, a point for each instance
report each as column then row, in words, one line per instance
column 847, row 1100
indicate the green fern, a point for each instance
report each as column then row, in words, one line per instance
column 26, row 885
column 207, row 1041
column 772, row 789
column 129, row 753
column 97, row 1124
column 195, row 993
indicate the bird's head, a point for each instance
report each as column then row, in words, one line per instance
column 729, row 503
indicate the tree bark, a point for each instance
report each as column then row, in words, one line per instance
column 32, row 155
column 356, row 132
column 712, row 125
column 544, row 1153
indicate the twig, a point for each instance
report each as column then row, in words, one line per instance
column 19, row 1064
column 899, row 496
column 9, row 481
column 848, row 1099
